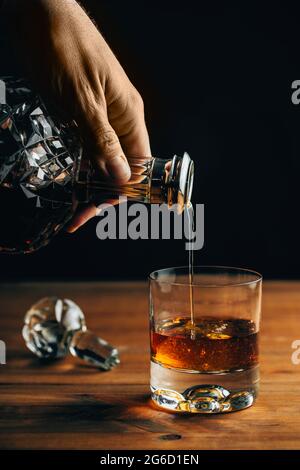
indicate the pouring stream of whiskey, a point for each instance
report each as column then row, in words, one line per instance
column 190, row 215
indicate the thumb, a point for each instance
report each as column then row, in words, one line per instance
column 104, row 149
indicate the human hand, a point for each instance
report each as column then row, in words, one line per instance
column 70, row 62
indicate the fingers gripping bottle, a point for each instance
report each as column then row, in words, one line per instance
column 44, row 177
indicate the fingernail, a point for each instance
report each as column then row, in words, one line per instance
column 118, row 168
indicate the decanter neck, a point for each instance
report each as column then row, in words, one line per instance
column 153, row 180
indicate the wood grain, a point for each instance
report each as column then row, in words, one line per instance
column 68, row 405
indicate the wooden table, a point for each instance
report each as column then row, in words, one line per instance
column 68, row 405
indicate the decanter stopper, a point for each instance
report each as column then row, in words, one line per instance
column 54, row 327
column 89, row 347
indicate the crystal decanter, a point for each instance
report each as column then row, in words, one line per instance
column 43, row 177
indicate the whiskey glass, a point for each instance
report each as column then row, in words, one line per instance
column 204, row 338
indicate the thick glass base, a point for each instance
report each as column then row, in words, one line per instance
column 206, row 393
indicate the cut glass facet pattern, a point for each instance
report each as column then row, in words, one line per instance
column 36, row 150
column 54, row 327
column 39, row 159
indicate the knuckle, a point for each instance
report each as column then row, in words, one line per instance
column 136, row 101
column 107, row 140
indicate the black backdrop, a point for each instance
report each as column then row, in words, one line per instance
column 216, row 82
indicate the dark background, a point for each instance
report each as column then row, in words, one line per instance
column 216, row 82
